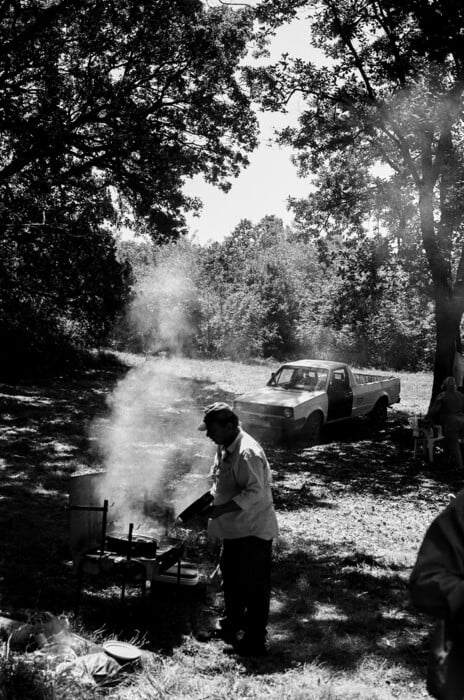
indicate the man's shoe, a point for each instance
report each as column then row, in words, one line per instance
column 226, row 635
column 222, row 634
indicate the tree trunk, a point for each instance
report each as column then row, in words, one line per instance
column 448, row 318
column 448, row 299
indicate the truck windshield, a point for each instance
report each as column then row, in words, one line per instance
column 309, row 378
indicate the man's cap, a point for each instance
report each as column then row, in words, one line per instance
column 216, row 411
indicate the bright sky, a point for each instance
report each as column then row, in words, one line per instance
column 264, row 187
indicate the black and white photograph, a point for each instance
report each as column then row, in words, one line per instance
column 231, row 349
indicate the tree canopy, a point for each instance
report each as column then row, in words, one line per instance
column 106, row 108
column 389, row 92
column 137, row 95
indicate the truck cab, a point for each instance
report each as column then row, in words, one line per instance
column 304, row 395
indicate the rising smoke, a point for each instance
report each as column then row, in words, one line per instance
column 165, row 306
column 154, row 457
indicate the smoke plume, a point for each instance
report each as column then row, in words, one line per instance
column 155, row 460
column 165, row 307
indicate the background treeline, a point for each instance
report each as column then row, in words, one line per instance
column 107, row 110
column 271, row 291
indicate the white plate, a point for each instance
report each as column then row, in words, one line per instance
column 121, row 651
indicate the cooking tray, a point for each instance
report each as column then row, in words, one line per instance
column 197, row 507
column 140, row 546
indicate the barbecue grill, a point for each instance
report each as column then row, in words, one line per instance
column 105, row 553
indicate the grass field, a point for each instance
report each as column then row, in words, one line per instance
column 352, row 512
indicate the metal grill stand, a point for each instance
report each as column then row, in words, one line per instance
column 95, row 554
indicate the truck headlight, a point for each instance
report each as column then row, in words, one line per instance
column 288, row 412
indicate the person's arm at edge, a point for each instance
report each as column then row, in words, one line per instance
column 436, row 583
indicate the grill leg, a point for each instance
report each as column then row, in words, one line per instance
column 80, row 581
column 430, row 443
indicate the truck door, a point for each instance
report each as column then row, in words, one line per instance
column 340, row 396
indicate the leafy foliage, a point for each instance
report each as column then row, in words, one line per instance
column 61, row 286
column 389, row 92
column 106, row 109
column 267, row 291
column 19, row 679
column 136, row 95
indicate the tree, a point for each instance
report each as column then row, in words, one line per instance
column 267, row 291
column 137, row 95
column 106, row 109
column 255, row 286
column 389, row 93
column 61, row 284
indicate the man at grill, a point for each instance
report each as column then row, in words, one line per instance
column 243, row 517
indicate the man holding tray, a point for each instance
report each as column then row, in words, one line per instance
column 243, row 517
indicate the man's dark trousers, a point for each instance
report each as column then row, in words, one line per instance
column 246, row 571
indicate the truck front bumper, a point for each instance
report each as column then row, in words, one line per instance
column 274, row 428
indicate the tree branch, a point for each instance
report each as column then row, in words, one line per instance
column 381, row 16
column 349, row 44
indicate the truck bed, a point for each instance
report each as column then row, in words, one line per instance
column 362, row 378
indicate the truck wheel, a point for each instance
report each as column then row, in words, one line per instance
column 312, row 429
column 378, row 415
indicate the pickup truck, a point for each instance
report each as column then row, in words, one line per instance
column 303, row 396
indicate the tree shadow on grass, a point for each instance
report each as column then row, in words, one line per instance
column 45, row 438
column 162, row 619
column 339, row 611
column 382, row 467
column 327, row 607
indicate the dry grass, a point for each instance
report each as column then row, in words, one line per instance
column 352, row 512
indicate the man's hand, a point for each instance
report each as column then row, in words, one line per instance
column 214, row 512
